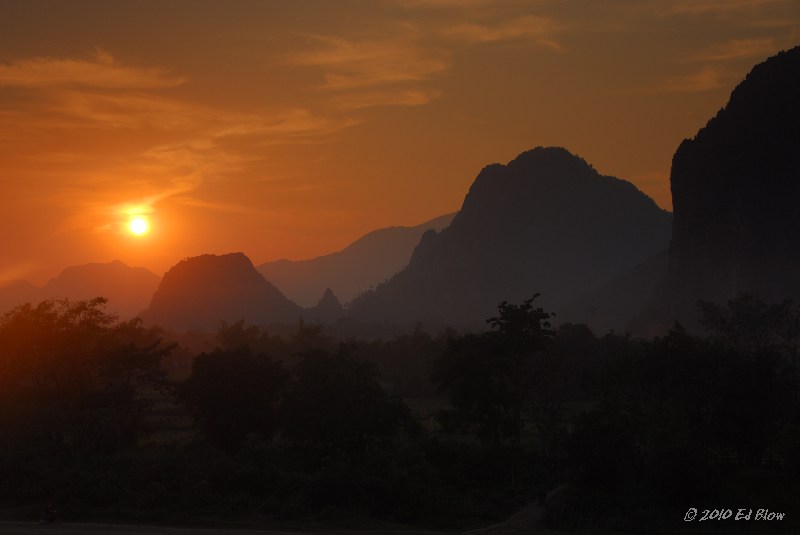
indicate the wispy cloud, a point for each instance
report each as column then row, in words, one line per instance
column 363, row 63
column 217, row 206
column 123, row 110
column 284, row 124
column 70, row 109
column 541, row 30
column 101, row 71
column 737, row 49
column 398, row 70
column 705, row 79
column 713, row 7
column 186, row 163
column 70, row 94
column 98, row 209
column 116, row 142
column 399, row 97
column 716, row 59
column 436, row 4
column 121, row 212
column 372, row 72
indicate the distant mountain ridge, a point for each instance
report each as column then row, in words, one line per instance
column 547, row 222
column 128, row 289
column 366, row 262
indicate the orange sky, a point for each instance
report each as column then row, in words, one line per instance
column 288, row 129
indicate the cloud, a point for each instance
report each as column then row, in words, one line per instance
column 186, row 163
column 71, row 109
column 368, row 73
column 101, row 72
column 364, row 63
column 716, row 56
column 399, row 97
column 541, row 30
column 480, row 7
column 737, row 49
column 713, row 7
column 217, row 206
column 284, row 125
column 65, row 93
column 95, row 208
column 124, row 110
column 399, row 67
column 779, row 22
column 102, row 140
column 128, row 103
column 436, row 4
column 705, row 79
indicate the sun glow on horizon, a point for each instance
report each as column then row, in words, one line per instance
column 139, row 225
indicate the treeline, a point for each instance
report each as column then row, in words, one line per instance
column 607, row 433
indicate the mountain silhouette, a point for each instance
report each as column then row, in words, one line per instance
column 735, row 189
column 368, row 261
column 327, row 310
column 199, row 292
column 128, row 289
column 545, row 223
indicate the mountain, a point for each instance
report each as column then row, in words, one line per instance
column 128, row 289
column 368, row 261
column 199, row 292
column 545, row 223
column 327, row 310
column 735, row 190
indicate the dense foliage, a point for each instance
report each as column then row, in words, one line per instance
column 608, row 434
column 70, row 377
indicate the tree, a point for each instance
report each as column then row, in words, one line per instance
column 335, row 403
column 479, row 380
column 70, row 375
column 746, row 322
column 257, row 339
column 233, row 393
column 748, row 325
column 489, row 376
column 522, row 329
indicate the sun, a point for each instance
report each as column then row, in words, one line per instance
column 139, row 225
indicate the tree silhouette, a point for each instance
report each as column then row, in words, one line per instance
column 335, row 403
column 488, row 376
column 70, row 375
column 522, row 329
column 233, row 393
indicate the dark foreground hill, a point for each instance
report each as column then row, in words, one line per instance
column 735, row 189
column 199, row 292
column 128, row 289
column 368, row 261
column 547, row 222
